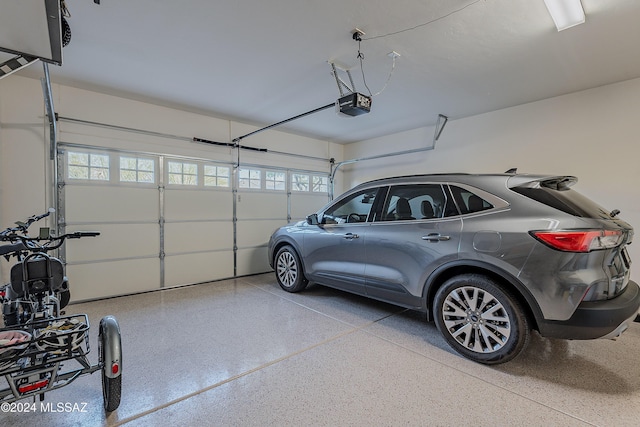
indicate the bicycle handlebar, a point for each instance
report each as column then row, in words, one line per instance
column 26, row 243
column 79, row 234
column 35, row 218
column 9, row 233
column 22, row 242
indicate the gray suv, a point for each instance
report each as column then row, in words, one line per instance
column 487, row 257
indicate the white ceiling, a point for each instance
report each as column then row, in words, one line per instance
column 263, row 61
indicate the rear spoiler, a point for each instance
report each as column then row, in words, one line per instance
column 559, row 183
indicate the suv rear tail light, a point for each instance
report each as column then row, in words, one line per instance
column 580, row 240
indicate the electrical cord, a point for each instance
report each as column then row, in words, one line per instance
column 359, row 39
column 361, row 58
column 364, row 79
column 393, row 67
column 423, row 24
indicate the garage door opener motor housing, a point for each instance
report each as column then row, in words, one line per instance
column 353, row 104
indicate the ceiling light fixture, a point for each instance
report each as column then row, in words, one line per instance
column 565, row 13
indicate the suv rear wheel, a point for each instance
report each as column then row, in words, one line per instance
column 480, row 319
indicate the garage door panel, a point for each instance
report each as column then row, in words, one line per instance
column 306, row 204
column 256, row 233
column 252, row 261
column 254, row 205
column 105, row 279
column 198, row 236
column 197, row 268
column 116, row 241
column 259, row 214
column 184, row 205
column 110, row 204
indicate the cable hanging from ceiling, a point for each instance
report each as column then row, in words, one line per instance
column 358, row 36
column 415, row 27
column 360, row 57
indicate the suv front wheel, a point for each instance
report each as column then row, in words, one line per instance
column 480, row 319
column 289, row 270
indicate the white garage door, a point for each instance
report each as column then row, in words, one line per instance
column 122, row 203
column 267, row 199
column 170, row 221
column 198, row 221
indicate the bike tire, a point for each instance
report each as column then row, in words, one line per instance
column 111, row 392
column 111, row 387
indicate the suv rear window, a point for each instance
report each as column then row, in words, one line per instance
column 469, row 202
column 565, row 200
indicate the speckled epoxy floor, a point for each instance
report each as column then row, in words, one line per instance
column 243, row 352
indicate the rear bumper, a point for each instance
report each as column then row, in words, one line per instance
column 597, row 319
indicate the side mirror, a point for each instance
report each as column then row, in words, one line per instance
column 312, row 219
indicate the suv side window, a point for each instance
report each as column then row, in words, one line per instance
column 416, row 201
column 351, row 209
column 468, row 202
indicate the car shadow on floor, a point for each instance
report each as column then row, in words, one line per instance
column 569, row 363
column 581, row 365
column 561, row 362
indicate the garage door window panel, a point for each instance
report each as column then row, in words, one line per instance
column 137, row 169
column 320, row 184
column 250, row 178
column 217, row 176
column 182, row 173
column 299, row 182
column 87, row 166
column 275, row 180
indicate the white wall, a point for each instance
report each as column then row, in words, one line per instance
column 592, row 134
column 25, row 169
column 22, row 150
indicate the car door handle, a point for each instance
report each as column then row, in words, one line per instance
column 350, row 236
column 435, row 237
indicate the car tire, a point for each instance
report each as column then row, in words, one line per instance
column 289, row 270
column 480, row 319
